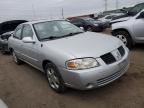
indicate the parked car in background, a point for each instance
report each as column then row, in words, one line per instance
column 128, row 13
column 6, row 29
column 130, row 31
column 4, row 41
column 89, row 24
column 69, row 56
column 108, row 18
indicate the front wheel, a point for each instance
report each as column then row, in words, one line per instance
column 55, row 80
column 124, row 37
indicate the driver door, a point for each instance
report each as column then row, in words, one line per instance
column 29, row 50
column 138, row 29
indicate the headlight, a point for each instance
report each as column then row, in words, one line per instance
column 82, row 63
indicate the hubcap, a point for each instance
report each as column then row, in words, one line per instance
column 14, row 57
column 122, row 38
column 52, row 78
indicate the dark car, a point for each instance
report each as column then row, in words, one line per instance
column 4, row 41
column 89, row 24
column 6, row 29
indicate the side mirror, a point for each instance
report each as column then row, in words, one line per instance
column 28, row 40
column 82, row 28
column 141, row 15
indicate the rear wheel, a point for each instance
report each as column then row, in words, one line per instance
column 55, row 80
column 125, row 38
column 16, row 59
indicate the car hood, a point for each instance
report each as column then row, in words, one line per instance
column 86, row 44
column 120, row 20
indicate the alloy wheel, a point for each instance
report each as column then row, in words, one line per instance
column 52, row 78
column 122, row 38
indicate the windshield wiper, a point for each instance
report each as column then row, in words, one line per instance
column 71, row 34
column 51, row 38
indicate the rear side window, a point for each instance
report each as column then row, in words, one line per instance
column 18, row 31
column 27, row 31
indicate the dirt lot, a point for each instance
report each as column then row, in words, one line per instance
column 25, row 87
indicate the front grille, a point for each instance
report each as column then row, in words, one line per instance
column 108, row 79
column 114, row 76
column 121, row 50
column 108, row 58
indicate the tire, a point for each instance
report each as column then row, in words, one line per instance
column 124, row 37
column 16, row 59
column 54, row 78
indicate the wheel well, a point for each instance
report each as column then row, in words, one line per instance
column 45, row 62
column 120, row 29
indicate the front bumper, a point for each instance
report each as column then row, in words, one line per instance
column 95, row 77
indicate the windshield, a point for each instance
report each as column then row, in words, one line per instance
column 110, row 16
column 55, row 29
column 136, row 9
column 92, row 21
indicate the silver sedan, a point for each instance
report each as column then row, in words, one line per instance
column 69, row 56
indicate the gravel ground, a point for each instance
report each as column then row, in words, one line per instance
column 25, row 87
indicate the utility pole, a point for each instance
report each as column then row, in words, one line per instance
column 117, row 4
column 33, row 11
column 62, row 13
column 105, row 1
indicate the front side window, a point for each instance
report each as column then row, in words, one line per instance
column 18, row 31
column 27, row 31
column 56, row 29
column 136, row 9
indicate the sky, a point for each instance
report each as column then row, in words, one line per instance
column 48, row 9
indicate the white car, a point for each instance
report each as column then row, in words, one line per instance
column 130, row 29
column 130, row 26
column 108, row 18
